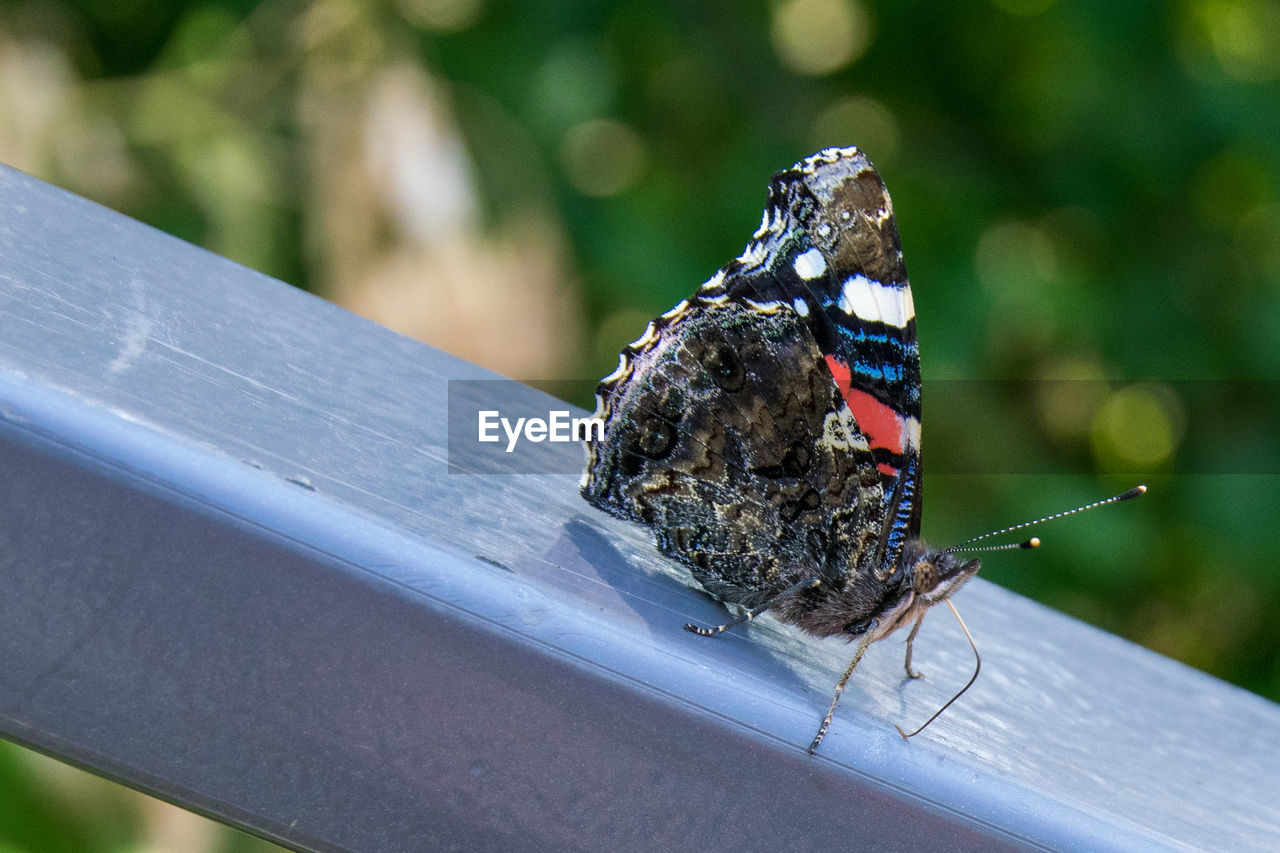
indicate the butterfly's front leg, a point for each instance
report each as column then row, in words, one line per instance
column 868, row 637
column 911, row 639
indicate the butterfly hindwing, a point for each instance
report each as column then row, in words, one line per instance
column 727, row 437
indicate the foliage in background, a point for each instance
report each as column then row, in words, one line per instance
column 1088, row 194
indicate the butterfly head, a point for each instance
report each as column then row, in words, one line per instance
column 936, row 575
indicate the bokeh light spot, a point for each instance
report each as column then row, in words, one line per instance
column 860, row 121
column 1138, row 428
column 1258, row 240
column 1229, row 185
column 602, row 157
column 208, row 36
column 817, row 37
column 576, row 82
column 1244, row 36
column 1013, row 257
column 1016, row 262
column 1069, row 393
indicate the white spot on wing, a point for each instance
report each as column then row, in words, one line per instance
column 649, row 338
column 857, row 299
column 911, row 433
column 840, row 431
column 810, row 265
column 875, row 303
column 802, row 307
column 753, row 256
column 618, row 372
column 677, row 309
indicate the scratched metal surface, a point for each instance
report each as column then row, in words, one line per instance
column 237, row 575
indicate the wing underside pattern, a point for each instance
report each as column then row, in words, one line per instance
column 806, row 343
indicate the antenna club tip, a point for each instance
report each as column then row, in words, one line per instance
column 1142, row 490
column 1132, row 493
column 1033, row 542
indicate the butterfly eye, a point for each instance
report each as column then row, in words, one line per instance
column 926, row 577
column 725, row 368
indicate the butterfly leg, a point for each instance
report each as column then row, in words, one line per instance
column 753, row 612
column 911, row 639
column 867, row 638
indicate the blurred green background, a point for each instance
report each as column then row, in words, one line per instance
column 1088, row 195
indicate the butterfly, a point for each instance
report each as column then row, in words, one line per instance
column 767, row 429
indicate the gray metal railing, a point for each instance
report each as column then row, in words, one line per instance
column 235, row 573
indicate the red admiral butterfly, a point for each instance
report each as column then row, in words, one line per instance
column 767, row 430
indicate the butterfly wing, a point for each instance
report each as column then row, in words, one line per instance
column 767, row 429
column 828, row 247
column 724, row 435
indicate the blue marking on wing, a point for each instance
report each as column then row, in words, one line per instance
column 877, row 372
column 882, row 359
column 906, row 519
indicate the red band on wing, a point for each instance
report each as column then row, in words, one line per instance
column 881, row 424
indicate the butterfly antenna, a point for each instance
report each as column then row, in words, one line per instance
column 1033, row 542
